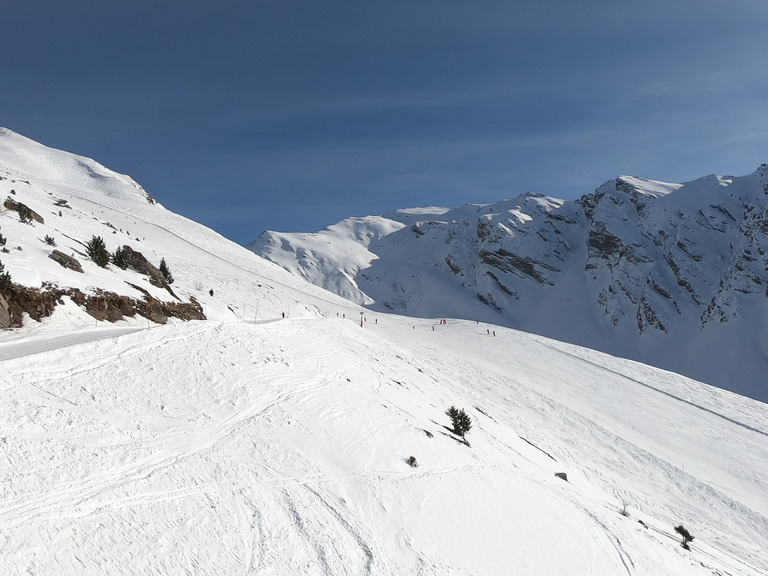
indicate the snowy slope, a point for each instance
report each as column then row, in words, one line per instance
column 280, row 448
column 253, row 443
column 78, row 198
column 674, row 275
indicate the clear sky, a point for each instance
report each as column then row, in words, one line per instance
column 288, row 115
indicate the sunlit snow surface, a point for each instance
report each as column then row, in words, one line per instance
column 281, row 447
column 256, row 444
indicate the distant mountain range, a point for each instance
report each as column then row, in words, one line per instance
column 673, row 275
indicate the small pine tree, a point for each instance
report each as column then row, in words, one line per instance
column 460, row 420
column 120, row 258
column 685, row 535
column 97, row 251
column 2, row 240
column 5, row 277
column 25, row 213
column 49, row 240
column 166, row 272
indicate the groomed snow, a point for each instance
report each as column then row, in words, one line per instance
column 280, row 448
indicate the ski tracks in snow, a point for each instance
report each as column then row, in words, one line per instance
column 83, row 496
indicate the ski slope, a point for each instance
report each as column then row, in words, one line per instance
column 280, row 447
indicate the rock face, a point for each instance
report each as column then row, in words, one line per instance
column 69, row 262
column 24, row 211
column 37, row 303
column 5, row 318
column 144, row 266
column 40, row 303
column 674, row 275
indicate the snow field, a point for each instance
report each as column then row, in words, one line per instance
column 280, row 448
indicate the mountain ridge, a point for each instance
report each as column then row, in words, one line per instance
column 76, row 199
column 671, row 274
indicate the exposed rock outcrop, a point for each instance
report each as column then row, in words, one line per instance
column 69, row 262
column 508, row 262
column 23, row 210
column 5, row 318
column 40, row 303
column 144, row 266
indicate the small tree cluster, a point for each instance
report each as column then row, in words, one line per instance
column 2, row 243
column 166, row 272
column 97, row 251
column 120, row 258
column 5, row 277
column 49, row 240
column 685, row 535
column 460, row 420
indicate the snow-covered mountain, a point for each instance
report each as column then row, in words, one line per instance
column 675, row 275
column 72, row 199
column 255, row 443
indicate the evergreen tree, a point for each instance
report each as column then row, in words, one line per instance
column 120, row 259
column 685, row 535
column 25, row 213
column 97, row 251
column 5, row 277
column 2, row 240
column 50, row 240
column 166, row 272
column 460, row 420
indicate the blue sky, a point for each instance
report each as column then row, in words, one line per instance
column 292, row 115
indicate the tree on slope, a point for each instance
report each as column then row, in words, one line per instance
column 460, row 420
column 25, row 214
column 120, row 258
column 97, row 251
column 686, row 536
column 166, row 272
column 5, row 277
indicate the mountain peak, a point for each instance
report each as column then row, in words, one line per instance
column 672, row 274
